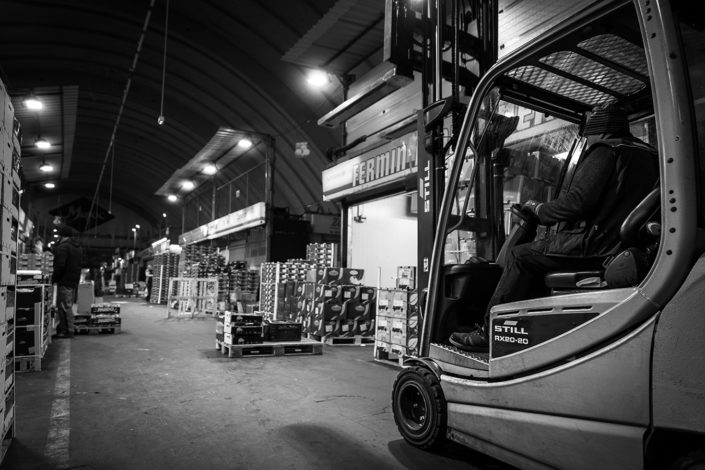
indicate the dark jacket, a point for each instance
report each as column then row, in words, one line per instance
column 611, row 178
column 68, row 259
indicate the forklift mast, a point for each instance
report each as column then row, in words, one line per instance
column 438, row 39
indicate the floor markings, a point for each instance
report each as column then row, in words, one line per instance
column 57, row 446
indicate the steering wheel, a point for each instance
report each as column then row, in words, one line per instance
column 524, row 215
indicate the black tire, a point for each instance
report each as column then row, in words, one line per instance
column 694, row 460
column 419, row 408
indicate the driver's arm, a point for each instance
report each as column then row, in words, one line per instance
column 586, row 190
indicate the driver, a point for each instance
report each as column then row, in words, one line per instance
column 612, row 176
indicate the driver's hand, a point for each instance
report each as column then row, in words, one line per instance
column 532, row 207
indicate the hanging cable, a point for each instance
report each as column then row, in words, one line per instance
column 161, row 119
column 110, row 191
column 125, row 93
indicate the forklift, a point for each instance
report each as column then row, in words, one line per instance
column 597, row 371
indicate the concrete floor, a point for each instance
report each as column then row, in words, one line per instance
column 159, row 396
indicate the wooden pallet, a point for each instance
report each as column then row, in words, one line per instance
column 356, row 340
column 267, row 349
column 28, row 363
column 389, row 356
column 96, row 329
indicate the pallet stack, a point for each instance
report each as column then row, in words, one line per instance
column 398, row 323
column 342, row 307
column 33, row 324
column 278, row 287
column 322, row 254
column 10, row 149
column 191, row 256
column 165, row 266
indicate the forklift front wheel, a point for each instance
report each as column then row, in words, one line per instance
column 419, row 408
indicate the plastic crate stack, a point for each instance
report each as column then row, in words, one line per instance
column 277, row 281
column 322, row 254
column 43, row 262
column 191, row 256
column 165, row 266
column 10, row 148
column 243, row 286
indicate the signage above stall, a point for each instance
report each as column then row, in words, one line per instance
column 249, row 217
column 383, row 165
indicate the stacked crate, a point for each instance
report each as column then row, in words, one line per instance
column 32, row 324
column 10, row 147
column 165, row 266
column 43, row 262
column 322, row 254
column 191, row 256
column 398, row 322
column 278, row 287
column 341, row 307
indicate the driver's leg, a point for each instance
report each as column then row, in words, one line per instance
column 524, row 268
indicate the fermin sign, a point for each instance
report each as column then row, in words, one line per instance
column 385, row 164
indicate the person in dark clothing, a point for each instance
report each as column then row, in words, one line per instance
column 614, row 173
column 68, row 258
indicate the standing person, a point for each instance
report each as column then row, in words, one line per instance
column 148, row 276
column 613, row 175
column 68, row 258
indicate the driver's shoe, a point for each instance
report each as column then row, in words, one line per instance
column 476, row 340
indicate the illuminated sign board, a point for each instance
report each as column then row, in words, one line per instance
column 249, row 217
column 386, row 164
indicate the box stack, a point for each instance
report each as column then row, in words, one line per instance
column 241, row 328
column 322, row 254
column 43, row 262
column 398, row 321
column 10, row 148
column 165, row 266
column 106, row 316
column 341, row 305
column 406, row 277
column 191, row 256
column 278, row 288
column 32, row 325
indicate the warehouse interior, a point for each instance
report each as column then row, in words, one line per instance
column 283, row 210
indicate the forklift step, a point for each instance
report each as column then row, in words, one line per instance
column 457, row 361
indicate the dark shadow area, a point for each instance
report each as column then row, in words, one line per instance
column 454, row 456
column 326, row 447
column 22, row 457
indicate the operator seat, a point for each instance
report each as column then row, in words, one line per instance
column 640, row 236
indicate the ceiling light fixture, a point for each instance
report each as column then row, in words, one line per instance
column 49, row 185
column 210, row 169
column 172, row 198
column 42, row 143
column 317, row 78
column 33, row 103
column 244, row 143
column 46, row 167
column 188, row 185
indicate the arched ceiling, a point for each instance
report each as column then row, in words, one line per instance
column 224, row 68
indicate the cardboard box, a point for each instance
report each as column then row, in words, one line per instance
column 327, row 293
column 398, row 332
column 406, row 277
column 383, row 329
column 85, row 297
column 105, row 308
column 242, row 319
column 243, row 335
column 351, row 276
